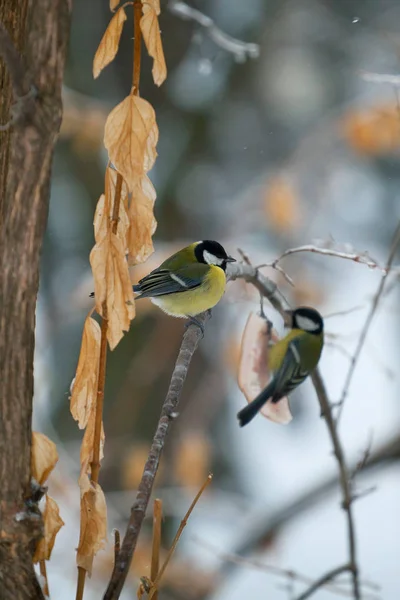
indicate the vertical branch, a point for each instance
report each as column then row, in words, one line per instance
column 137, row 46
column 155, row 553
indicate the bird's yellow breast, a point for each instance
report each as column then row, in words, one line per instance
column 196, row 301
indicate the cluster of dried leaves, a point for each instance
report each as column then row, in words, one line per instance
column 123, row 227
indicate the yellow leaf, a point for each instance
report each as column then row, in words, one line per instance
column 254, row 373
column 113, row 286
column 130, row 137
column 142, row 221
column 84, row 391
column 93, row 529
column 152, row 38
column 44, row 457
column 86, row 454
column 114, row 4
column 52, row 525
column 108, row 46
column 281, row 206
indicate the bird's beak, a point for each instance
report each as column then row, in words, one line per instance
column 230, row 259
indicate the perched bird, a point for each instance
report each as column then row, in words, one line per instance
column 291, row 359
column 188, row 282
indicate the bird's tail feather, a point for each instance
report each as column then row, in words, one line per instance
column 249, row 412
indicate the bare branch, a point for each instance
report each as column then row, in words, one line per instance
column 189, row 344
column 393, row 80
column 323, row 581
column 393, row 249
column 241, row 50
column 269, row 289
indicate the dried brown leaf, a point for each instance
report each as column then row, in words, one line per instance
column 114, row 4
column 142, row 221
column 109, row 44
column 152, row 38
column 44, row 457
column 130, row 137
column 113, row 286
column 93, row 527
column 154, row 4
column 254, row 374
column 84, row 391
column 52, row 525
column 86, row 454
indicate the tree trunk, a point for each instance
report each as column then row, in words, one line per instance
column 39, row 29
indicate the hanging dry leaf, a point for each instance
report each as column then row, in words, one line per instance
column 142, row 221
column 52, row 525
column 109, row 44
column 281, row 206
column 112, row 285
column 93, row 528
column 84, row 391
column 130, row 137
column 152, row 38
column 192, row 459
column 254, row 374
column 155, row 5
column 114, row 4
column 86, row 454
column 44, row 457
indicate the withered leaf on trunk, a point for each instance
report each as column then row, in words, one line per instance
column 130, row 137
column 152, row 38
column 109, row 44
column 254, row 373
column 93, row 526
column 44, row 457
column 113, row 286
column 84, row 390
column 52, row 525
column 142, row 221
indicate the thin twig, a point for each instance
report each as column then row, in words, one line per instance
column 241, row 50
column 182, row 526
column 155, row 551
column 117, row 544
column 323, row 581
column 368, row 321
column 189, row 344
column 268, row 288
column 137, row 46
column 362, row 258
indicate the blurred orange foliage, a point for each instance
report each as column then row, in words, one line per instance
column 373, row 131
column 281, row 205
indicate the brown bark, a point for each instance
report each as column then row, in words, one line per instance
column 25, row 163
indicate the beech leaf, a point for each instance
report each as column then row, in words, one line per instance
column 109, row 44
column 93, row 526
column 152, row 38
column 130, row 137
column 113, row 286
column 86, row 454
column 84, row 390
column 114, row 4
column 142, row 221
column 44, row 457
column 52, row 525
column 254, row 374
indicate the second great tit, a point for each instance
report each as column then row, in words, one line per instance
column 291, row 360
column 188, row 282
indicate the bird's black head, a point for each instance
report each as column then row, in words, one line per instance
column 308, row 319
column 212, row 253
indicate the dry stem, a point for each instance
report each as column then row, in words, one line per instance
column 137, row 46
column 155, row 552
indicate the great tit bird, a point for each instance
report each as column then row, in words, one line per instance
column 291, row 359
column 188, row 282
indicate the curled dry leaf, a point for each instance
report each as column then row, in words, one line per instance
column 254, row 374
column 155, row 5
column 102, row 222
column 112, row 286
column 152, row 38
column 52, row 525
column 93, row 528
column 44, row 457
column 109, row 44
column 114, row 4
column 130, row 137
column 86, row 454
column 142, row 221
column 84, row 391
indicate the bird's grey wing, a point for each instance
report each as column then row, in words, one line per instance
column 290, row 374
column 162, row 282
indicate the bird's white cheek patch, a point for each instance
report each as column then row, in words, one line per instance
column 211, row 259
column 306, row 324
